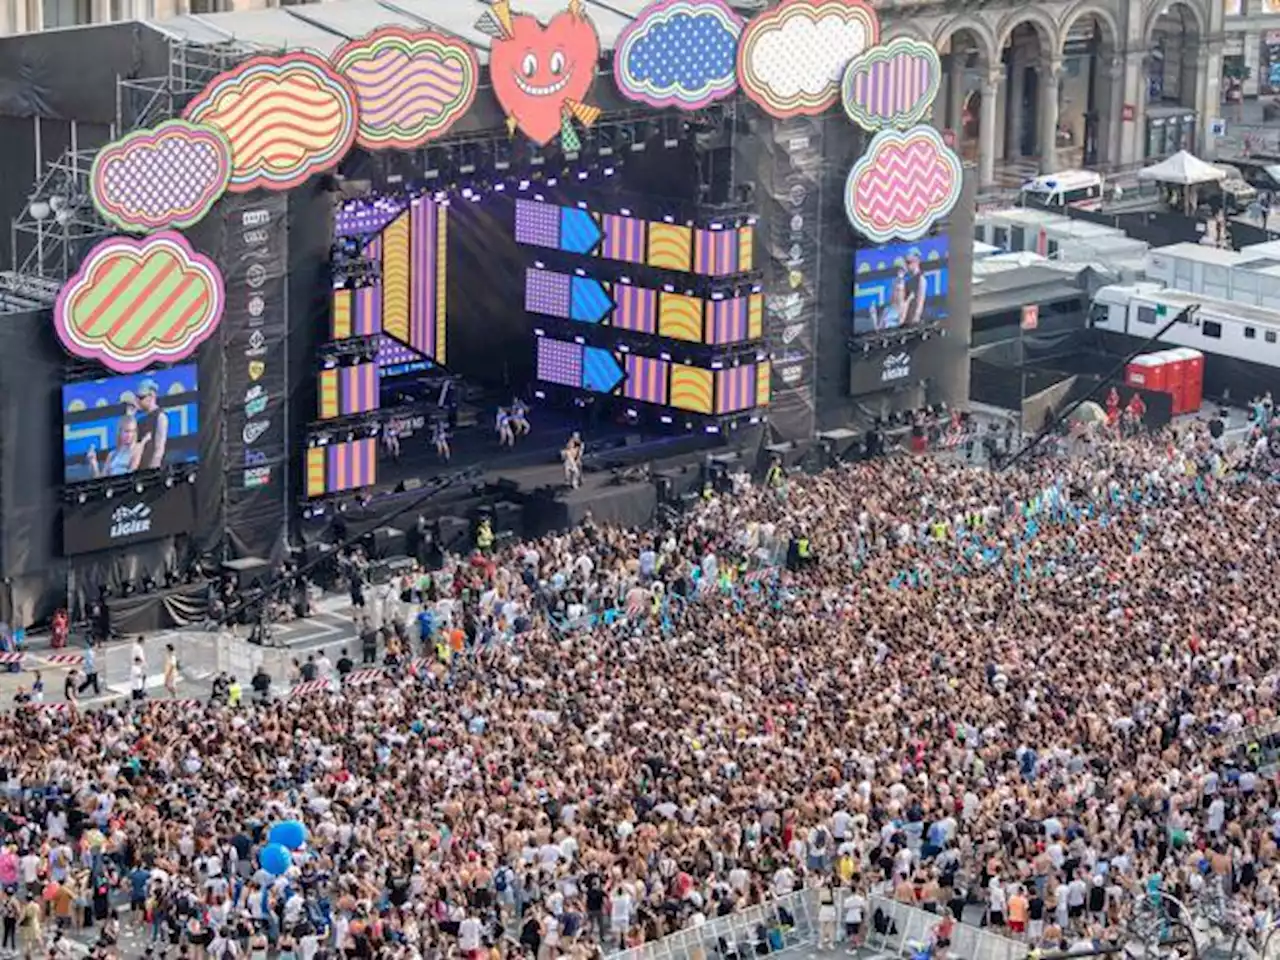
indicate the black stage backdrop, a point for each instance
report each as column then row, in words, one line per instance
column 31, row 368
column 490, row 335
column 254, row 261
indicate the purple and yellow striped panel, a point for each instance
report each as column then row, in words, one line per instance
column 316, row 471
column 755, row 316
column 424, row 244
column 637, row 309
column 352, row 465
column 330, row 405
column 727, row 320
column 623, row 238
column 746, row 249
column 441, row 354
column 763, row 371
column 340, row 320
column 359, row 388
column 736, row 388
column 646, row 379
column 366, row 310
column 716, row 253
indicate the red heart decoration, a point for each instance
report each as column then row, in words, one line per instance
column 538, row 68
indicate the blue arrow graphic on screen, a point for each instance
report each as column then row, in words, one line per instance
column 601, row 372
column 589, row 301
column 579, row 232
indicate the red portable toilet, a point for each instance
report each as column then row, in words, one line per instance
column 1192, row 378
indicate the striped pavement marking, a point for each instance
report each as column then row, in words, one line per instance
column 360, row 678
column 11, row 657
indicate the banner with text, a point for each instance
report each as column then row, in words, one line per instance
column 794, row 245
column 122, row 521
column 255, row 330
column 893, row 367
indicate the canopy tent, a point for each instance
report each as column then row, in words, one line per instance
column 1182, row 169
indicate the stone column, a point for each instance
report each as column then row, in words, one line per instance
column 955, row 91
column 1013, row 103
column 1112, row 110
column 1134, row 91
column 987, row 131
column 1208, row 99
column 1050, row 71
column 1252, row 60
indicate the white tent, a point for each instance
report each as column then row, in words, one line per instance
column 1182, row 169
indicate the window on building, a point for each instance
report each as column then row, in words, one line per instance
column 1270, row 336
column 1000, row 238
column 1251, row 333
column 1212, row 328
column 67, row 13
column 1017, row 238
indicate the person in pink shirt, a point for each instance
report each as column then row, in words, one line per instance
column 8, row 868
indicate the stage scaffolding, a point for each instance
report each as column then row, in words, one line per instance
column 59, row 224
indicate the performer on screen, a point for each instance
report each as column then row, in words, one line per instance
column 440, row 437
column 572, row 457
column 915, row 291
column 153, row 425
column 519, row 417
column 502, row 423
column 126, row 455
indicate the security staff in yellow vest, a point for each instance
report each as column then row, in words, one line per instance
column 484, row 536
column 234, row 693
column 775, row 477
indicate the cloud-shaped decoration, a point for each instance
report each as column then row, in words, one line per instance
column 168, row 176
column 410, row 87
column 791, row 59
column 679, row 53
column 133, row 303
column 902, row 184
column 891, row 85
column 286, row 118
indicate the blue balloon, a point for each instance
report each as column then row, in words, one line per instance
column 288, row 833
column 275, row 859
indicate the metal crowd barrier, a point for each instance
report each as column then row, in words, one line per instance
column 781, row 924
column 908, row 930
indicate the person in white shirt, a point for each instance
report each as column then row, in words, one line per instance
column 855, row 907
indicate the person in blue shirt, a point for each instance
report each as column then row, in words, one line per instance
column 90, row 670
column 138, row 881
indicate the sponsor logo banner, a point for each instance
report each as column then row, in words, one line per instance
column 891, row 367
column 255, row 332
column 105, row 524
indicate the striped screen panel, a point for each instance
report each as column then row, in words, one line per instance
column 736, row 389
column 358, row 388
column 646, row 379
column 352, row 465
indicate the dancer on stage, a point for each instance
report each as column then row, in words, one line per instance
column 519, row 417
column 572, row 457
column 440, row 437
column 502, row 423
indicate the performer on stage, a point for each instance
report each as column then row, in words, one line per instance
column 440, row 437
column 502, row 423
column 572, row 457
column 519, row 417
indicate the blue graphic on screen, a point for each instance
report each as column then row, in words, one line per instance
column 900, row 285
column 117, row 426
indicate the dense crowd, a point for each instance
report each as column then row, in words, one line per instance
column 1004, row 694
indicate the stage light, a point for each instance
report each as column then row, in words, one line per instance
column 625, row 212
column 552, row 181
column 475, row 198
column 668, row 219
column 81, row 498
column 539, row 395
column 191, row 477
column 467, row 193
column 39, row 210
column 523, row 185
column 608, row 171
column 539, row 332
column 623, row 348
column 138, row 487
column 148, row 583
column 109, row 493
column 539, row 197
column 665, row 419
column 499, row 187
column 306, row 514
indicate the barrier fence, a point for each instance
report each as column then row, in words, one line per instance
column 791, row 922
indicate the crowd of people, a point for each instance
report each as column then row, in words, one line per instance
column 996, row 695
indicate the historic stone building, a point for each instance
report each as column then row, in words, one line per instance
column 1071, row 83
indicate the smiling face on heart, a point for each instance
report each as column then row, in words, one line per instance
column 538, row 68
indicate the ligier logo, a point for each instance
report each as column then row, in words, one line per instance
column 130, row 521
column 896, row 366
column 255, row 401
